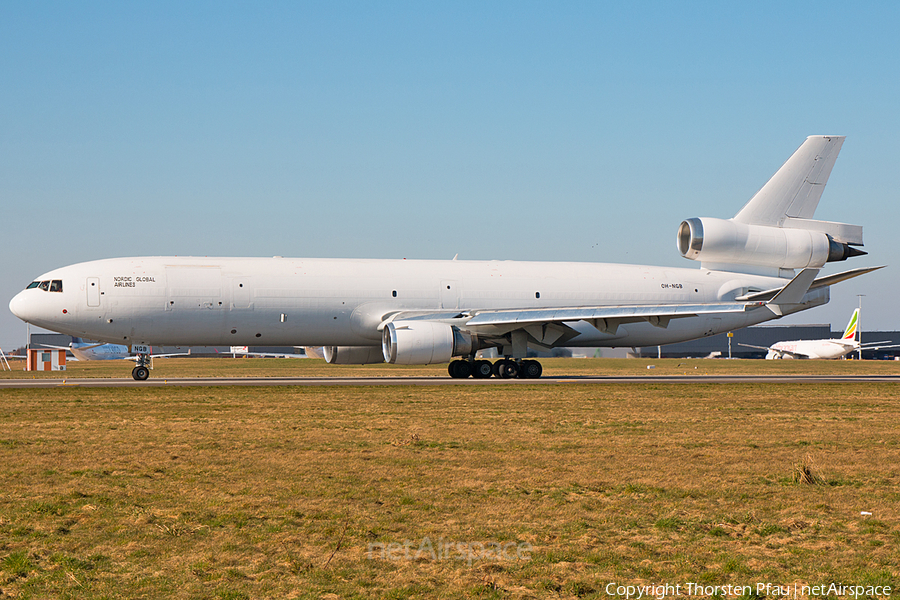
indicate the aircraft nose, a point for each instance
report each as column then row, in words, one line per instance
column 19, row 306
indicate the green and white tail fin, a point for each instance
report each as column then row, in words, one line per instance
column 850, row 332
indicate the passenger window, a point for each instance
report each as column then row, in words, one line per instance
column 44, row 285
column 33, row 285
column 56, row 285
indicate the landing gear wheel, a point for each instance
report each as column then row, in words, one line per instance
column 464, row 369
column 483, row 369
column 530, row 369
column 506, row 368
column 140, row 373
column 459, row 369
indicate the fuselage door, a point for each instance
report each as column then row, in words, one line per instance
column 241, row 292
column 449, row 294
column 93, row 291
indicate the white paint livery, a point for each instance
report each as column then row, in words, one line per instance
column 429, row 311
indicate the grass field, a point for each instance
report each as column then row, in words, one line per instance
column 453, row 492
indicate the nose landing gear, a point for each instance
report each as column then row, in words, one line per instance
column 141, row 372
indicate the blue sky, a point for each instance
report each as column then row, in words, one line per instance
column 509, row 130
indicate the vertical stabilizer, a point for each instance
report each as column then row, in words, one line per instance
column 850, row 332
column 794, row 191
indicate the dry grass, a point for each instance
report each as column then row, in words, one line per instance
column 806, row 472
column 283, row 492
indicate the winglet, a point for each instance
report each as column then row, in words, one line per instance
column 794, row 291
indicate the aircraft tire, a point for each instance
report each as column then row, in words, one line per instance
column 464, row 369
column 506, row 368
column 140, row 373
column 459, row 369
column 482, row 369
column 531, row 369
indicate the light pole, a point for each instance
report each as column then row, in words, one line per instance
column 858, row 328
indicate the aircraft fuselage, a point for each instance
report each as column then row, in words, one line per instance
column 341, row 302
column 810, row 349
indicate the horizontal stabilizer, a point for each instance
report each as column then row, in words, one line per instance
column 839, row 232
column 817, row 283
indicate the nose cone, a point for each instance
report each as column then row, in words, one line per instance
column 19, row 306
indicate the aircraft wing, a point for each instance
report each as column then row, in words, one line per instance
column 879, row 346
column 604, row 318
column 273, row 355
column 827, row 280
column 789, row 353
column 70, row 347
column 757, row 347
column 54, row 347
column 135, row 358
column 548, row 327
column 607, row 319
column 776, row 350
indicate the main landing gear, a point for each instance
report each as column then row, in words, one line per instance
column 141, row 372
column 504, row 368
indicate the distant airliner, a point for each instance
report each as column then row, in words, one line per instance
column 142, row 355
column 430, row 311
column 831, row 349
column 82, row 350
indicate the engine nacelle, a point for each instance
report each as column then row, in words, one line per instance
column 727, row 241
column 424, row 342
column 352, row 355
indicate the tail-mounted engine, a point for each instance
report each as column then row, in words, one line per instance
column 731, row 242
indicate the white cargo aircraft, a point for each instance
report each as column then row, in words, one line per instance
column 430, row 311
column 829, row 349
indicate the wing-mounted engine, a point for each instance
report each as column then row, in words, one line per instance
column 721, row 241
column 352, row 355
column 425, row 342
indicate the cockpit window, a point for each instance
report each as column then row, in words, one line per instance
column 48, row 286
